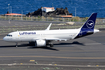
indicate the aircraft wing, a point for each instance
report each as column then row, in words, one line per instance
column 51, row 39
column 56, row 39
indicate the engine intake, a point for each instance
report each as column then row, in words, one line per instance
column 39, row 43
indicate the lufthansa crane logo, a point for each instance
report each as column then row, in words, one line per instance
column 90, row 24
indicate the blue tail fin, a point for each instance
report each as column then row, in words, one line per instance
column 88, row 27
column 90, row 23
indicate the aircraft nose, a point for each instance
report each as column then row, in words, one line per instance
column 5, row 39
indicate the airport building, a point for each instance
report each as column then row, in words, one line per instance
column 48, row 9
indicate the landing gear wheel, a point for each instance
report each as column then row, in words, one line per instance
column 51, row 45
column 31, row 43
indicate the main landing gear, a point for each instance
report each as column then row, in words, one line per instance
column 49, row 44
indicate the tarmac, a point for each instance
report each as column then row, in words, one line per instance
column 86, row 53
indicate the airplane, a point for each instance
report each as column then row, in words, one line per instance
column 45, row 37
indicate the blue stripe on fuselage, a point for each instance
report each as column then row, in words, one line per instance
column 84, row 32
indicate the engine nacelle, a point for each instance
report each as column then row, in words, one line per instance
column 40, row 43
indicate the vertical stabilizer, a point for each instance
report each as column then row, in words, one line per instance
column 88, row 27
column 90, row 23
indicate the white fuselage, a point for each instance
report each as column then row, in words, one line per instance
column 65, row 34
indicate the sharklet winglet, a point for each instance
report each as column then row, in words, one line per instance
column 48, row 28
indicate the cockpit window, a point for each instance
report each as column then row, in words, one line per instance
column 9, row 35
